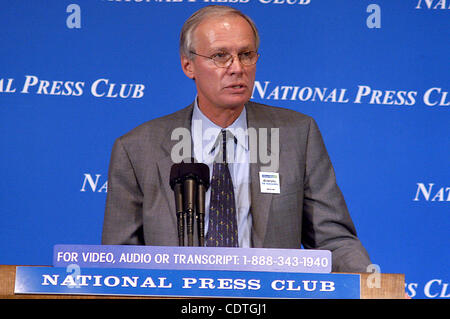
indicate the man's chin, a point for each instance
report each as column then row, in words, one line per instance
column 233, row 102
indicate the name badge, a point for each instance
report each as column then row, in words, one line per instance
column 269, row 182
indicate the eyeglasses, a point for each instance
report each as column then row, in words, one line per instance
column 225, row 59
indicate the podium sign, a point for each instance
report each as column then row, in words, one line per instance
column 194, row 258
column 184, row 283
column 188, row 272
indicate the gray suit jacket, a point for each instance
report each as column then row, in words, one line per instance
column 310, row 209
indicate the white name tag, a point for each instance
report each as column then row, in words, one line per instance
column 269, row 182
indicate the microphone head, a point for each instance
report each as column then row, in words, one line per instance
column 197, row 171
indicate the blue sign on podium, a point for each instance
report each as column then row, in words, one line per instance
column 188, row 272
column 185, row 283
column 194, row 258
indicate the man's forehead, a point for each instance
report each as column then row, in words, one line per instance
column 226, row 20
column 217, row 32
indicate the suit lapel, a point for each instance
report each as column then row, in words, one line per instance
column 260, row 202
column 164, row 167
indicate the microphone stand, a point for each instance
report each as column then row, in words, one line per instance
column 180, row 213
column 190, row 181
column 201, row 214
column 189, row 203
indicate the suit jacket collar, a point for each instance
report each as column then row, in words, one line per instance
column 180, row 119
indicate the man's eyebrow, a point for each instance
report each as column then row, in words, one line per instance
column 219, row 49
column 223, row 49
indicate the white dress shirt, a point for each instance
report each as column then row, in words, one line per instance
column 204, row 136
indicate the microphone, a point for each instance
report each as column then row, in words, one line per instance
column 202, row 187
column 195, row 178
column 189, row 178
column 190, row 181
column 177, row 186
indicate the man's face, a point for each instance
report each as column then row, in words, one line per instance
column 222, row 88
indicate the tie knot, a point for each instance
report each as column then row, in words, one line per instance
column 219, row 150
column 226, row 136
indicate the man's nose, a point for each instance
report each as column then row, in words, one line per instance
column 235, row 66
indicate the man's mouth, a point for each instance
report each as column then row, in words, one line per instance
column 236, row 86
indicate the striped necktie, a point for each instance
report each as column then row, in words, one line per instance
column 222, row 229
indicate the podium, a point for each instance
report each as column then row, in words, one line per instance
column 149, row 272
column 392, row 286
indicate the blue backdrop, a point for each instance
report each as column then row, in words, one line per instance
column 76, row 74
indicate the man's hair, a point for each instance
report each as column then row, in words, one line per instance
column 188, row 29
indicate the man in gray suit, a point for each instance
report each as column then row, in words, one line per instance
column 218, row 48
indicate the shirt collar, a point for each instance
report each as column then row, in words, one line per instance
column 238, row 127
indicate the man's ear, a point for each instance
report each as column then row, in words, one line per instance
column 188, row 67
